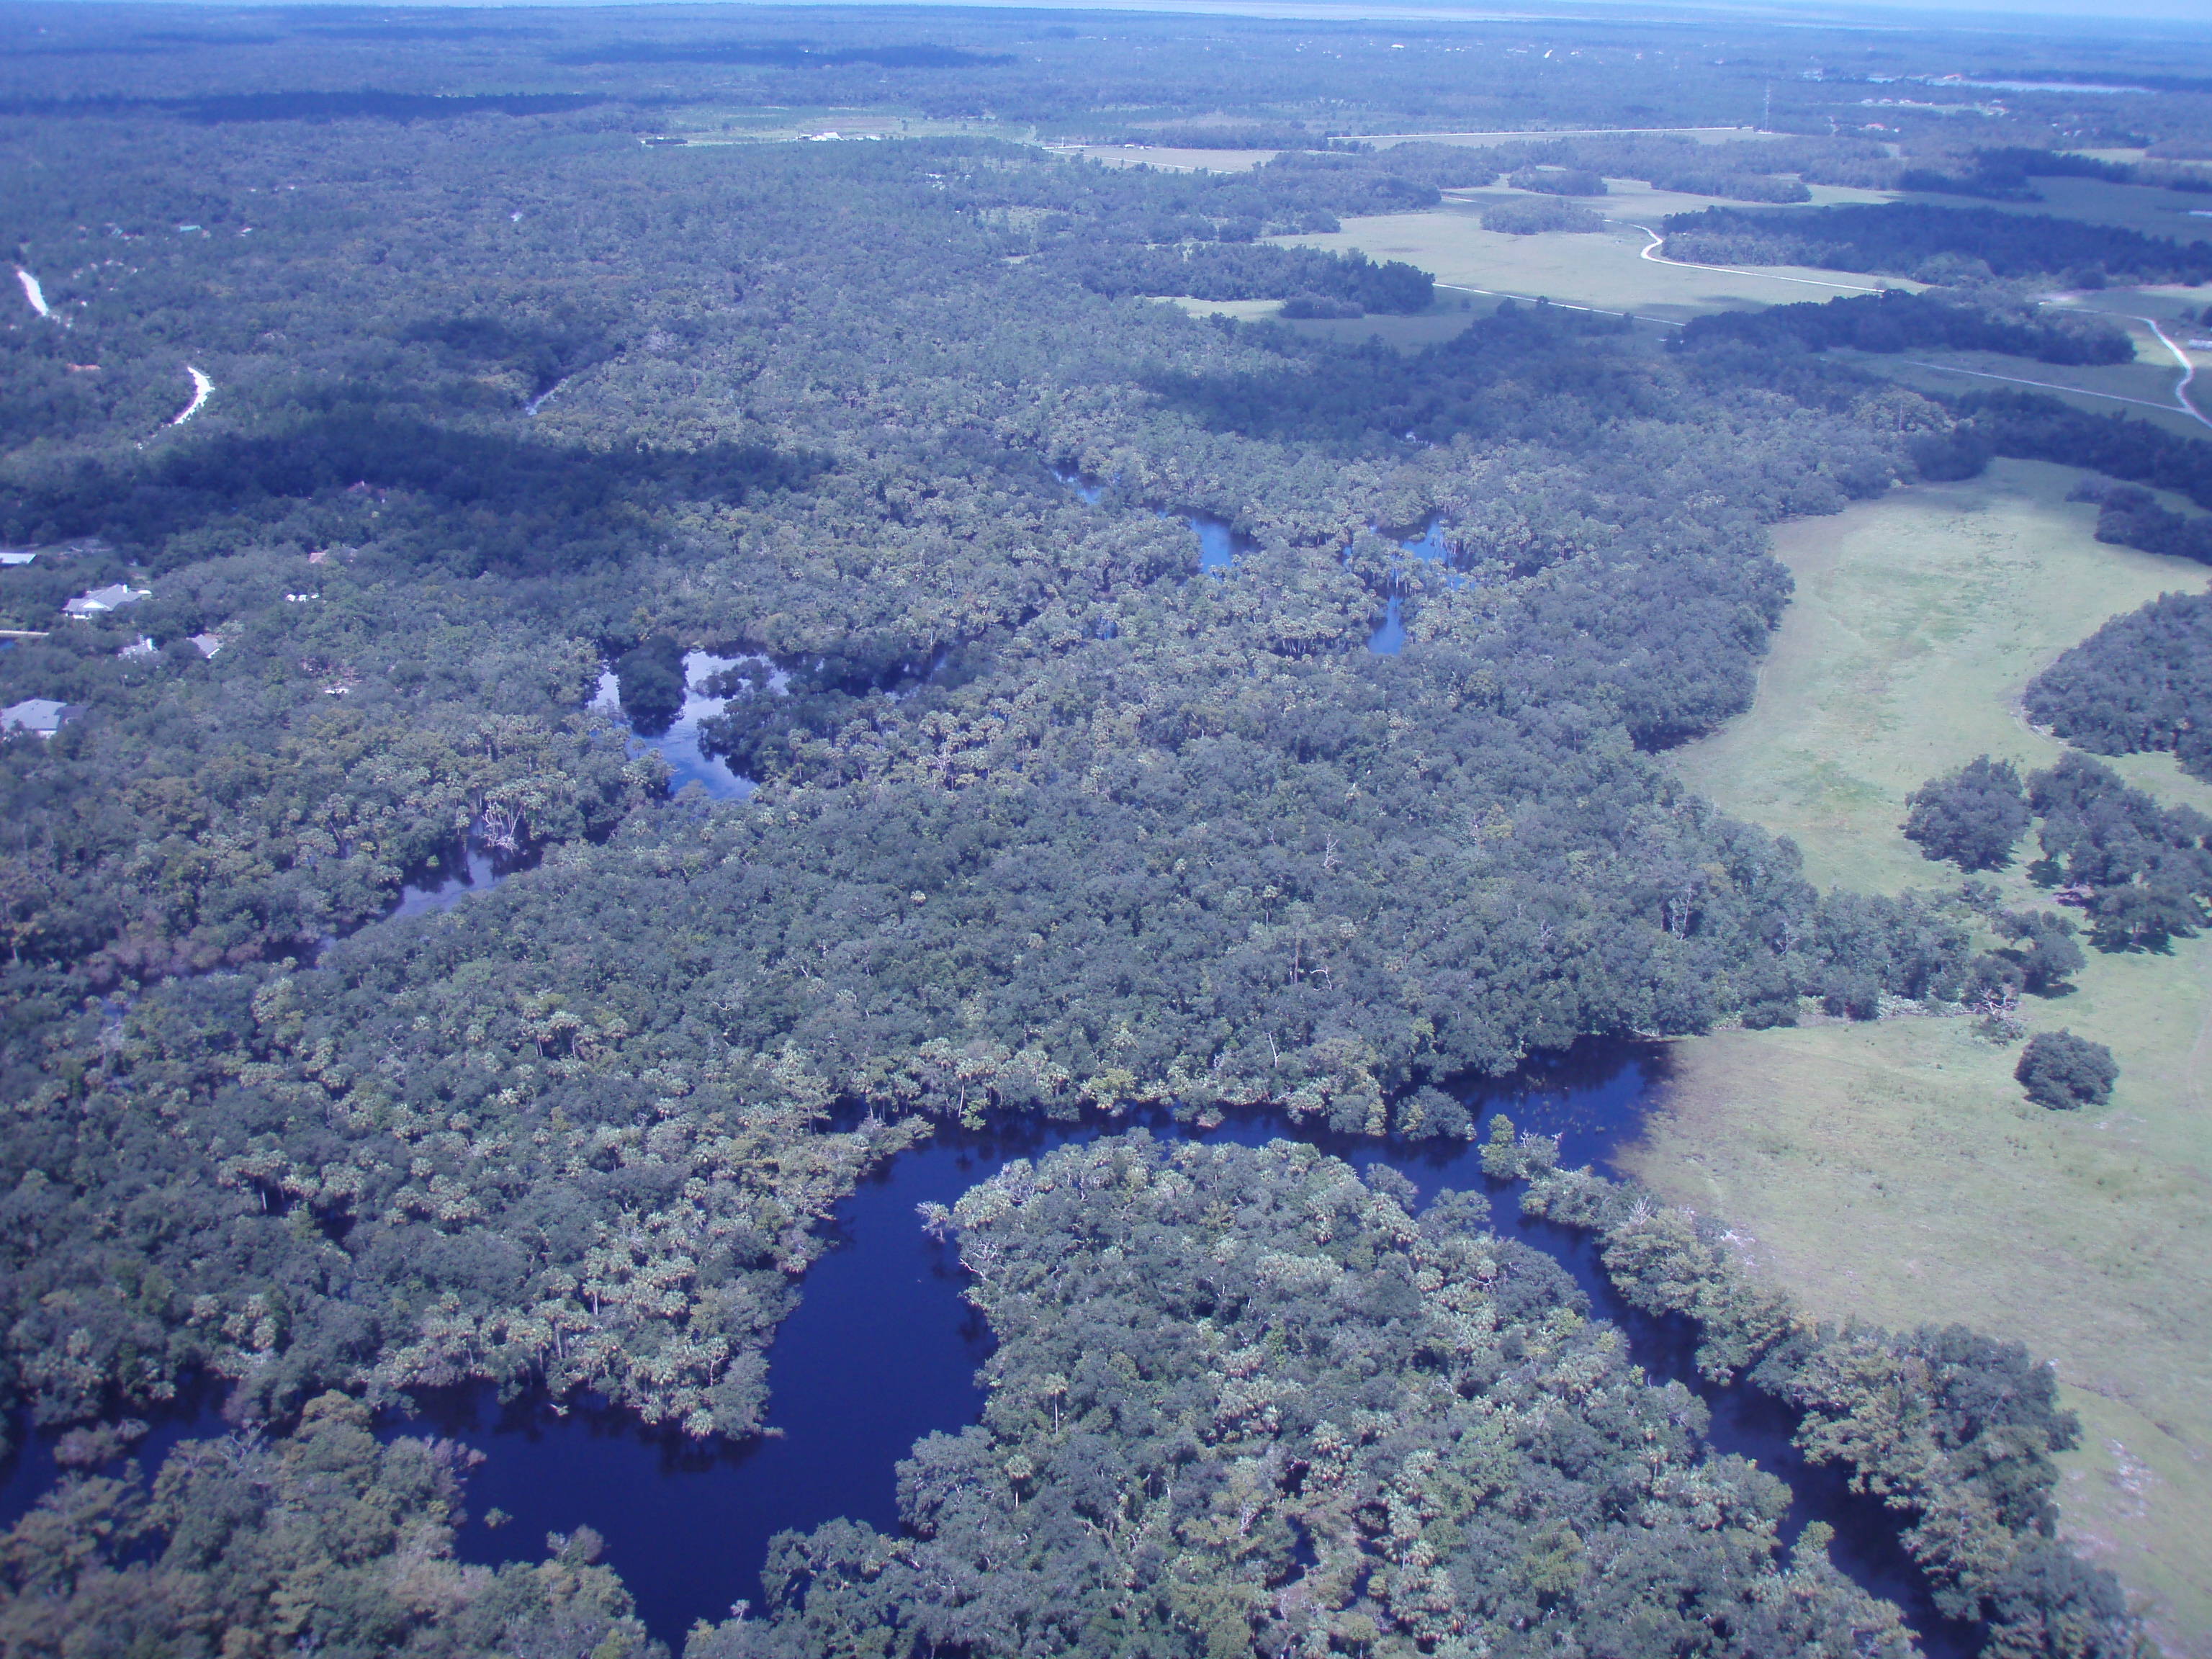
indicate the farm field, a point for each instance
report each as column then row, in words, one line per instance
column 1172, row 159
column 1893, row 1171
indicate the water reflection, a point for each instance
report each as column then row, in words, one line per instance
column 679, row 743
column 468, row 869
column 1217, row 544
column 1088, row 488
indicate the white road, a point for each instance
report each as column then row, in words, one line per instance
column 201, row 387
column 1651, row 252
column 2188, row 372
column 2046, row 386
column 33, row 292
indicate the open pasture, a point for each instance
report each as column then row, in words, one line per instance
column 1605, row 269
column 2144, row 208
column 1171, row 159
column 1917, row 622
column 1893, row 1171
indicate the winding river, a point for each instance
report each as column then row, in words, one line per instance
column 881, row 1350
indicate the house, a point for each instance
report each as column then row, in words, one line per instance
column 41, row 715
column 142, row 647
column 113, row 596
column 209, row 644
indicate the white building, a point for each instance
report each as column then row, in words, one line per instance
column 113, row 596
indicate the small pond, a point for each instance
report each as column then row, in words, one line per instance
column 881, row 1350
column 1219, row 544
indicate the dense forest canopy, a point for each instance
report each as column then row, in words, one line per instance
column 410, row 375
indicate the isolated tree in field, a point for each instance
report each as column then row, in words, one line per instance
column 2061, row 1071
column 1973, row 817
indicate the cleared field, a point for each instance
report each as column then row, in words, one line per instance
column 2141, row 208
column 1893, row 1171
column 1606, row 270
column 1173, row 160
column 1919, row 620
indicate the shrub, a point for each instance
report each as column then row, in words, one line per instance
column 2061, row 1071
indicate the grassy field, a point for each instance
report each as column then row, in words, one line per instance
column 1604, row 268
column 1893, row 1171
column 1172, row 159
column 2141, row 208
column 1919, row 620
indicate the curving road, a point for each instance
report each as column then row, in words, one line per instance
column 1651, row 252
column 2188, row 372
column 33, row 292
column 201, row 387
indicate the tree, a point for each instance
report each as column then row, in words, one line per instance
column 1974, row 816
column 651, row 676
column 2061, row 1071
column 2043, row 949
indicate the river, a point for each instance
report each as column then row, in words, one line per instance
column 881, row 1350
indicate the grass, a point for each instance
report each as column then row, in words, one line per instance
column 1171, row 159
column 1919, row 620
column 2143, row 208
column 1893, row 1171
column 1604, row 268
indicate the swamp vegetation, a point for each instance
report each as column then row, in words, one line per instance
column 1054, row 816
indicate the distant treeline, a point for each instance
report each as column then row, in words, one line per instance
column 1910, row 238
column 311, row 106
column 1253, row 271
column 2027, row 426
column 1534, row 218
column 2003, row 174
column 1773, row 169
column 1898, row 321
column 783, row 54
column 2143, row 681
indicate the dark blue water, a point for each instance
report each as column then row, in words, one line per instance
column 881, row 1350
column 1088, row 488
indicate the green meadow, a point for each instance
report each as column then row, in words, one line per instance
column 1893, row 1171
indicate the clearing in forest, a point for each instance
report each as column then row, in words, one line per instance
column 1894, row 1171
column 1602, row 269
